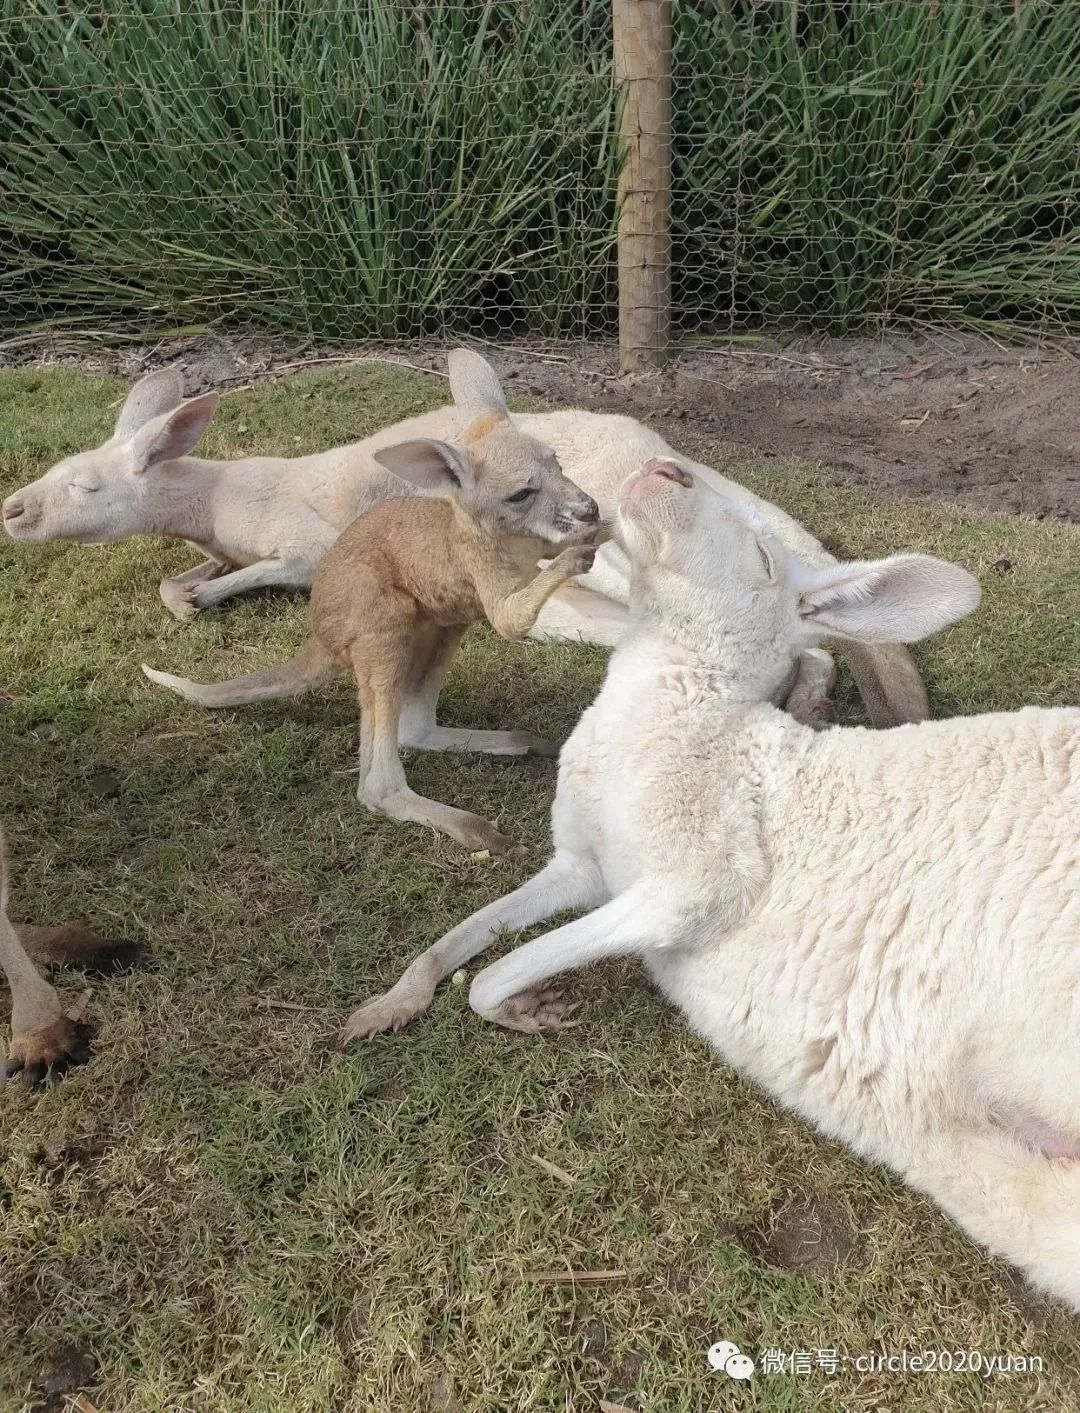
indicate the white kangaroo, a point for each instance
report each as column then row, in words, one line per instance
column 883, row 929
column 262, row 521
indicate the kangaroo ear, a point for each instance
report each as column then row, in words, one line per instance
column 427, row 464
column 897, row 600
column 151, row 396
column 174, row 434
column 473, row 384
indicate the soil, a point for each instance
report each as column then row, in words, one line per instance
column 812, row 1235
column 950, row 416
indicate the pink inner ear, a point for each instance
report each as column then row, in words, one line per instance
column 1040, row 1137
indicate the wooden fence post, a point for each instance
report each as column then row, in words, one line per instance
column 643, row 39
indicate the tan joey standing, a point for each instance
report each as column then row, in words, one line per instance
column 396, row 593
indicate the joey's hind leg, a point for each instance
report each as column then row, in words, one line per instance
column 432, row 656
column 382, row 786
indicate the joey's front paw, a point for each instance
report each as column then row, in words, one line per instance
column 577, row 559
column 541, row 1008
column 179, row 599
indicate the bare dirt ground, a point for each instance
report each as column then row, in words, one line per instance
column 942, row 415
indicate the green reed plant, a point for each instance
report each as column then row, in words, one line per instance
column 394, row 168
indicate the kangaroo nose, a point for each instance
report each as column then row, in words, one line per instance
column 588, row 509
column 13, row 509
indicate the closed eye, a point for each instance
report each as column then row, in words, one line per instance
column 520, row 496
column 81, row 486
column 766, row 560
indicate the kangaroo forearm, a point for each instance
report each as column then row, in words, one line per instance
column 516, row 615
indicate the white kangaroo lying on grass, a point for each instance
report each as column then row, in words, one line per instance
column 261, row 520
column 883, row 929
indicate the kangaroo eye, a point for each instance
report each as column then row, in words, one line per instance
column 80, row 486
column 766, row 560
column 520, row 496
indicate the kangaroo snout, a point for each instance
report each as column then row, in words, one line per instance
column 13, row 508
column 586, row 510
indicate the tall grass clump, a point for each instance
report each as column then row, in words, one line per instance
column 913, row 160
column 390, row 168
column 355, row 169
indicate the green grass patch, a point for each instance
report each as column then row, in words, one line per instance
column 230, row 1213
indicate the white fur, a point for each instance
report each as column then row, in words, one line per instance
column 882, row 928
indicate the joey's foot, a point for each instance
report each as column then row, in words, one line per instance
column 391, row 1011
column 575, row 560
column 532, row 1012
column 179, row 599
column 477, row 835
column 48, row 1052
column 524, row 743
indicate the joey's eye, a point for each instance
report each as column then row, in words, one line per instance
column 766, row 559
column 81, row 486
column 519, row 497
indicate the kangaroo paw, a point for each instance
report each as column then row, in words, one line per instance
column 48, row 1052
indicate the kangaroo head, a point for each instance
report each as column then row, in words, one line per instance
column 109, row 493
column 506, row 482
column 713, row 578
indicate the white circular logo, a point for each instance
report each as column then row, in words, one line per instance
column 728, row 1358
column 720, row 1353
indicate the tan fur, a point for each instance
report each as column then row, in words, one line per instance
column 479, row 428
column 396, row 592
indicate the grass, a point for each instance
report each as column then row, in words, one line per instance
column 227, row 1213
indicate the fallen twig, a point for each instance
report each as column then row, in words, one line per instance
column 553, row 1170
column 351, row 358
column 569, row 1277
column 273, row 1004
column 78, row 1007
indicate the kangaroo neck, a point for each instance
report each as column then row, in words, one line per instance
column 179, row 496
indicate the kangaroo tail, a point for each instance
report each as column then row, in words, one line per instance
column 312, row 665
column 1023, row 1205
column 888, row 682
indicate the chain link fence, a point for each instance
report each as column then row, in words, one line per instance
column 401, row 169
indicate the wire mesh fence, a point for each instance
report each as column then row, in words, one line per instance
column 396, row 169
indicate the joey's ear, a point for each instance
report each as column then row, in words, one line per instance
column 151, row 396
column 428, row 464
column 473, row 384
column 175, row 433
column 897, row 600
